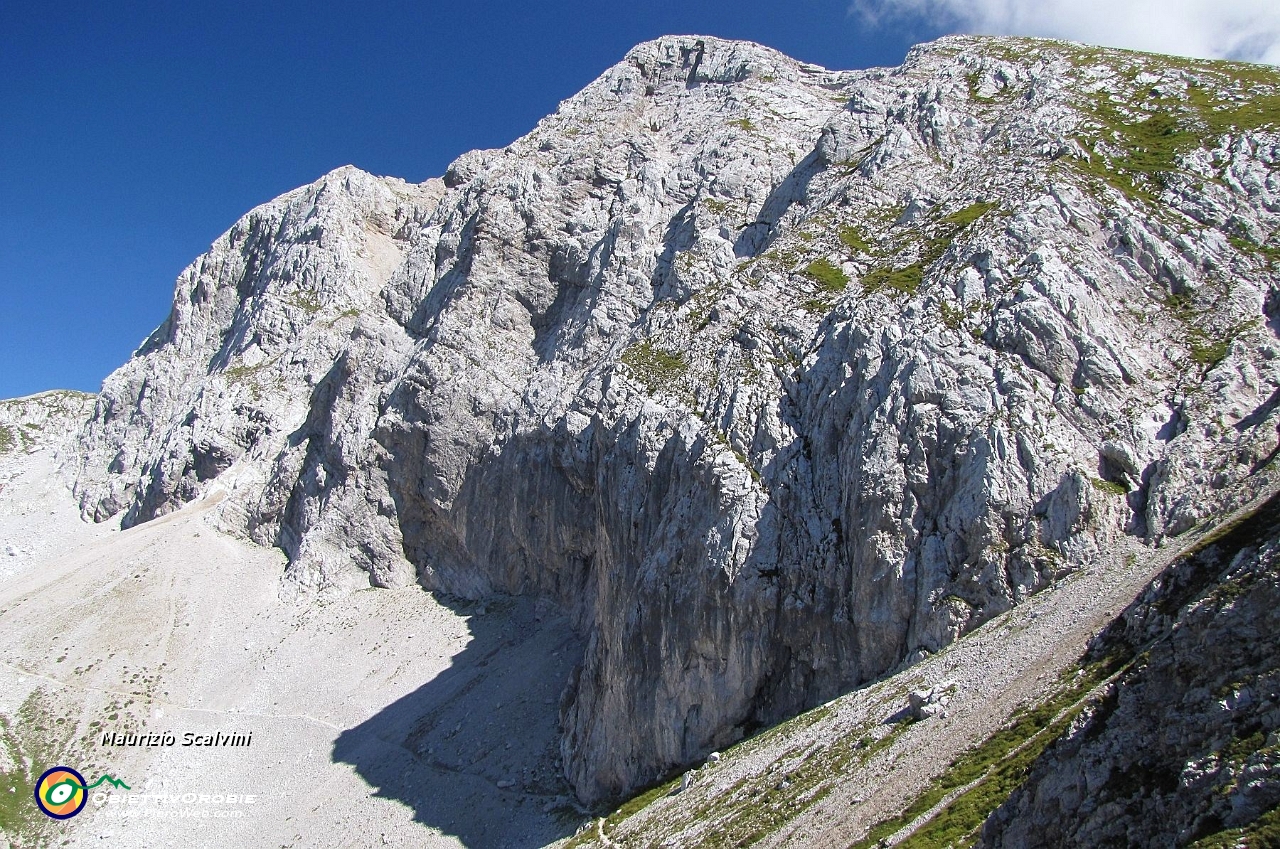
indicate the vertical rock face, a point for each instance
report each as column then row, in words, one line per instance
column 772, row 376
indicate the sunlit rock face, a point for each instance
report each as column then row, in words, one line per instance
column 772, row 377
column 44, row 420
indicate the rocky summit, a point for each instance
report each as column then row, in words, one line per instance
column 772, row 379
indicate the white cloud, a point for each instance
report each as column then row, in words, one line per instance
column 1208, row 29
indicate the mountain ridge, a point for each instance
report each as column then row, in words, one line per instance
column 772, row 377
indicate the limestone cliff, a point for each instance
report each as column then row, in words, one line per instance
column 773, row 377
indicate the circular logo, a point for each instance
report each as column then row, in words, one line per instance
column 60, row 792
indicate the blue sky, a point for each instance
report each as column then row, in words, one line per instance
column 133, row 133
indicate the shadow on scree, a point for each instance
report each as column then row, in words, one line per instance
column 474, row 752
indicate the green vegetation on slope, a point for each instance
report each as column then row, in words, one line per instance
column 1262, row 833
column 1207, row 346
column 906, row 280
column 962, row 218
column 1109, row 487
column 655, row 368
column 759, row 805
column 1268, row 253
column 999, row 765
column 827, row 275
column 307, row 301
column 902, row 281
column 1136, row 140
column 853, row 239
column 35, row 738
column 964, row 816
column 972, row 79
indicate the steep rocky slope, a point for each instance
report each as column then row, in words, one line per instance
column 772, row 377
column 1185, row 746
column 47, row 420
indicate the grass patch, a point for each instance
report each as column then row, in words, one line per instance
column 7, row 440
column 1209, row 353
column 719, row 207
column 952, row 317
column 795, row 724
column 743, row 124
column 587, row 837
column 1207, row 349
column 1239, row 749
column 249, row 376
column 826, row 275
column 1253, row 110
column 901, row 281
column 347, row 313
column 783, row 257
column 237, row 374
column 1180, row 307
column 1270, row 254
column 308, row 302
column 654, row 367
column 965, row 815
column 852, row 238
column 759, row 806
column 1262, row 833
column 1142, row 152
column 972, row 79
column 639, row 803
column 1135, row 149
column 1109, row 487
column 36, row 738
column 907, row 280
column 971, row 213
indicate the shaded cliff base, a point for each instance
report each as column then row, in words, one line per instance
column 1059, row 723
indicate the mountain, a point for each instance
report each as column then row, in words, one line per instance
column 30, row 425
column 773, row 380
